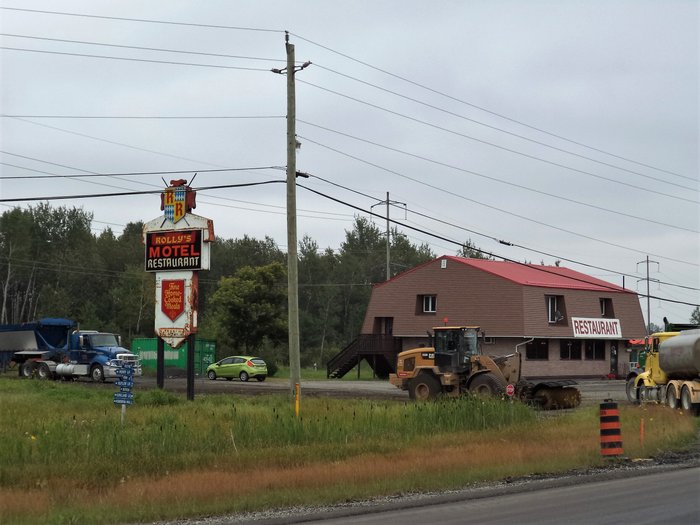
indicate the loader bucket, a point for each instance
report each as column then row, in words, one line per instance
column 557, row 398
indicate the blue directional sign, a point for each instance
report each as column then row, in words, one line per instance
column 123, row 401
column 125, row 372
column 125, row 383
column 123, row 395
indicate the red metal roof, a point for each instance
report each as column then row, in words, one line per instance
column 539, row 275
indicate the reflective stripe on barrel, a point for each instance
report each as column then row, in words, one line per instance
column 610, row 431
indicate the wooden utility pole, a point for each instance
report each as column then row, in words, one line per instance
column 292, row 262
column 292, row 267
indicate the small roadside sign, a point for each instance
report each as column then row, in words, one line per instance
column 125, row 372
column 510, row 390
column 123, row 395
column 125, row 383
column 123, row 401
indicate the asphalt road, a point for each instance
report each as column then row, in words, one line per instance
column 671, row 496
column 592, row 391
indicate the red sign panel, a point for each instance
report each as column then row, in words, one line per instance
column 173, row 250
column 173, row 298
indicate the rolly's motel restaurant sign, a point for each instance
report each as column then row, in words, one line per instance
column 178, row 245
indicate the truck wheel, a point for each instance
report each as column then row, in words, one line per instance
column 43, row 371
column 686, row 401
column 632, row 391
column 97, row 374
column 26, row 370
column 671, row 399
column 486, row 385
column 424, row 387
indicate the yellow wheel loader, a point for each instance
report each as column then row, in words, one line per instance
column 455, row 365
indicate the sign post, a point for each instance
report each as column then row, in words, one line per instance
column 125, row 396
column 178, row 246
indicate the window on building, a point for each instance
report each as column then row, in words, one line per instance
column 606, row 307
column 555, row 308
column 537, row 350
column 570, row 349
column 429, row 303
column 595, row 350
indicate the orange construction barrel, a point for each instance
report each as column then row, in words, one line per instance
column 610, row 431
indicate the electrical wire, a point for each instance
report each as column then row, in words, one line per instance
column 523, row 217
column 488, row 111
column 144, row 20
column 484, row 252
column 496, row 128
column 150, row 61
column 485, row 142
column 495, row 239
column 141, row 48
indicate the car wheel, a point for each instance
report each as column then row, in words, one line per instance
column 260, row 378
column 211, row 375
column 244, row 376
column 97, row 374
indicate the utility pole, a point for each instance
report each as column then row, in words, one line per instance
column 647, row 261
column 388, row 231
column 292, row 262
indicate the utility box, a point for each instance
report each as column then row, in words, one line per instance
column 147, row 349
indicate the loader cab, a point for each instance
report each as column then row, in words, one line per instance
column 454, row 347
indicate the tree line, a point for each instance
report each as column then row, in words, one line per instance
column 52, row 265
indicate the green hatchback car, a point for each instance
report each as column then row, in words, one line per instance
column 241, row 366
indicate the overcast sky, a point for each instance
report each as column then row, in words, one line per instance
column 567, row 128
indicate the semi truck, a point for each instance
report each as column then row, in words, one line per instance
column 455, row 365
column 671, row 372
column 55, row 348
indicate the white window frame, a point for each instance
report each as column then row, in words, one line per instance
column 429, row 304
column 552, row 309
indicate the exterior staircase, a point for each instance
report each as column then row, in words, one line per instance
column 379, row 351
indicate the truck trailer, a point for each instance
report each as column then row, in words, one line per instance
column 54, row 348
column 455, row 365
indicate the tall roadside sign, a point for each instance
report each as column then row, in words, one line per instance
column 178, row 246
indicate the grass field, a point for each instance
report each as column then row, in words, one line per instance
column 66, row 458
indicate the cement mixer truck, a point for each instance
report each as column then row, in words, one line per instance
column 671, row 372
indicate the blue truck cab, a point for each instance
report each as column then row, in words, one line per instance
column 54, row 348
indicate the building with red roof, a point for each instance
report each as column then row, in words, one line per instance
column 565, row 323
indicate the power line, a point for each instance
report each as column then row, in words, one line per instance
column 130, row 146
column 490, row 112
column 144, row 20
column 490, row 254
column 496, row 128
column 130, row 193
column 147, row 117
column 506, row 243
column 492, row 144
column 464, row 170
column 150, row 61
column 141, row 48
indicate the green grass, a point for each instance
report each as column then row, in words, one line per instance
column 66, row 458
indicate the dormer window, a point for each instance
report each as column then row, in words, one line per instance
column 555, row 308
column 606, row 307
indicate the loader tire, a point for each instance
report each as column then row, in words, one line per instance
column 424, row 387
column 487, row 385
